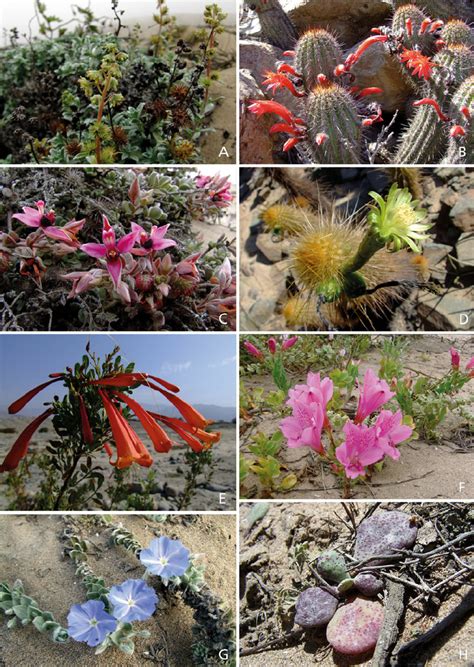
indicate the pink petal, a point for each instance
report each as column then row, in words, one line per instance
column 127, row 242
column 138, row 229
column 161, row 244
column 114, row 267
column 158, row 232
column 32, row 220
column 96, row 250
column 75, row 226
column 57, row 234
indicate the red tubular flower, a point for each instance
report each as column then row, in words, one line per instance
column 289, row 54
column 435, row 25
column 369, row 91
column 291, row 143
column 376, row 31
column 409, row 27
column 457, row 131
column 289, row 129
column 275, row 81
column 86, row 427
column 421, row 65
column 129, row 379
column 465, row 112
column 339, row 70
column 159, row 438
column 352, row 58
column 434, row 104
column 260, row 107
column 321, row 137
column 20, row 403
column 130, row 448
column 194, row 437
column 424, row 25
column 285, row 67
column 190, row 414
column 21, row 444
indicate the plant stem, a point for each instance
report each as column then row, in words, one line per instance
column 100, row 113
column 369, row 245
column 67, row 478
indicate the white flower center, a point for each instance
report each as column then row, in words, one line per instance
column 163, row 560
column 130, row 602
column 93, row 622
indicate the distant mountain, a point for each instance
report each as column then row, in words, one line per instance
column 217, row 413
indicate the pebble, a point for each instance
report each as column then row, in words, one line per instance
column 355, row 627
column 384, row 533
column 314, row 608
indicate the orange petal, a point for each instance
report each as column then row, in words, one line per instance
column 125, row 438
column 20, row 446
column 157, row 435
column 20, row 403
column 86, row 427
column 191, row 415
column 208, row 438
column 129, row 379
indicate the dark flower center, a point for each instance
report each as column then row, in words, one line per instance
column 148, row 244
column 45, row 222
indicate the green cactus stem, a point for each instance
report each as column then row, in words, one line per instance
column 317, row 52
column 457, row 32
column 334, row 127
column 410, row 12
column 276, row 27
column 439, row 9
column 461, row 146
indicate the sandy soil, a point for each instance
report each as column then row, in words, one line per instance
column 169, row 467
column 265, row 549
column 424, row 470
column 50, row 579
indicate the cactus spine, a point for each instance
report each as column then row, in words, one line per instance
column 317, row 52
column 443, row 9
column 416, row 16
column 276, row 27
column 457, row 32
column 461, row 146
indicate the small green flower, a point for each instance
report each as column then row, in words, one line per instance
column 398, row 220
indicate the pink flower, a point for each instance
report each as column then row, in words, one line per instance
column 470, row 367
column 110, row 250
column 304, row 427
column 455, row 358
column 373, row 395
column 218, row 188
column 272, row 345
column 151, row 242
column 46, row 223
column 289, row 342
column 359, row 449
column 315, row 391
column 83, row 280
column 390, row 431
column 251, row 349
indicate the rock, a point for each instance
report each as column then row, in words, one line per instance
column 427, row 536
column 256, row 146
column 452, row 310
column 383, row 533
column 274, row 251
column 261, row 311
column 355, row 627
column 437, row 256
column 368, row 585
column 350, row 20
column 465, row 251
column 377, row 67
column 314, row 608
column 462, row 213
column 331, row 565
column 253, row 557
column 164, row 506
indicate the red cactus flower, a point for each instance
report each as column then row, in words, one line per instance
column 260, row 107
column 285, row 67
column 457, row 131
column 465, row 112
column 275, row 81
column 421, row 65
column 369, row 91
column 291, row 143
column 289, row 54
column 409, row 27
column 424, row 25
column 321, row 137
column 339, row 70
column 434, row 104
column 436, row 25
column 352, row 58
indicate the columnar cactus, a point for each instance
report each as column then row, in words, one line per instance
column 457, row 32
column 443, row 9
column 317, row 52
column 408, row 22
column 461, row 140
column 277, row 29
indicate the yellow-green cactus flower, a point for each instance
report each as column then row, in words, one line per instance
column 398, row 220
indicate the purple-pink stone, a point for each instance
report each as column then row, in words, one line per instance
column 384, row 533
column 355, row 627
column 314, row 608
column 368, row 585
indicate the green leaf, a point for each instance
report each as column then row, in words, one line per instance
column 279, row 375
column 288, row 482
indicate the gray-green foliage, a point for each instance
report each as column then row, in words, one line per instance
column 21, row 609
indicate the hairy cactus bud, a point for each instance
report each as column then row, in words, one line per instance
column 284, row 218
column 317, row 52
column 334, row 127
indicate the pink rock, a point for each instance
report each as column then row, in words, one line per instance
column 356, row 626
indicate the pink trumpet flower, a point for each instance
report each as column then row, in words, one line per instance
column 304, row 427
column 358, row 450
column 111, row 250
column 39, row 219
column 455, row 358
column 373, row 395
column 289, row 342
column 83, row 280
column 272, row 345
column 151, row 242
column 315, row 390
column 470, row 367
column 251, row 349
column 389, row 432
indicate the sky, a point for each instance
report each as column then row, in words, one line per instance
column 17, row 13
column 203, row 365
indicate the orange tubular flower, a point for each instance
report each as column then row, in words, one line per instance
column 194, row 437
column 159, row 438
column 130, row 449
column 86, row 427
column 20, row 403
column 434, row 104
column 129, row 379
column 421, row 65
column 276, row 80
column 352, row 58
column 260, row 107
column 190, row 414
column 20, row 446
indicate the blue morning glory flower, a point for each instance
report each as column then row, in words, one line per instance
column 90, row 623
column 166, row 558
column 133, row 600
